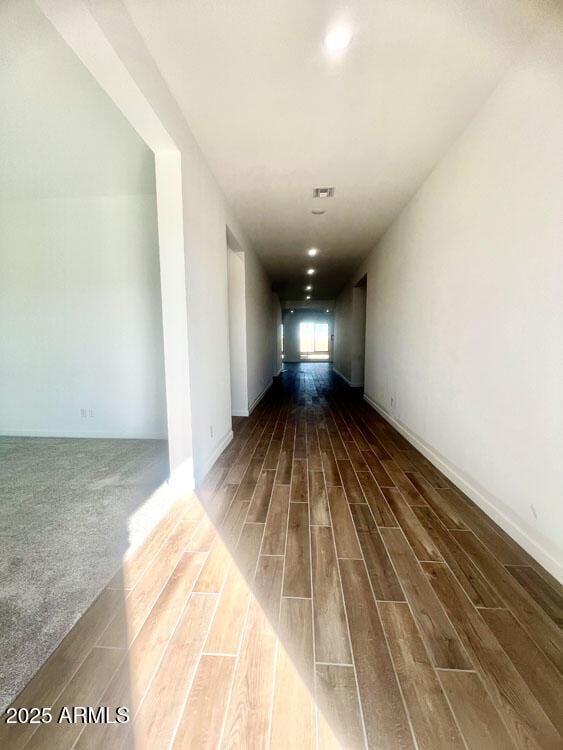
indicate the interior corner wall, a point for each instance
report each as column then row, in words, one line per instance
column 465, row 309
column 237, row 332
column 343, row 323
column 260, row 329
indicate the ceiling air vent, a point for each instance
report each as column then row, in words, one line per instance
column 323, row 192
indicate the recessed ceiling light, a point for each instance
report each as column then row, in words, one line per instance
column 291, row 311
column 308, row 296
column 308, row 288
column 338, row 38
column 327, row 311
column 310, row 271
column 312, row 251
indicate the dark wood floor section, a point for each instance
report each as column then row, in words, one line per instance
column 327, row 587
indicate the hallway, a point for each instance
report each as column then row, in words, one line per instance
column 327, row 587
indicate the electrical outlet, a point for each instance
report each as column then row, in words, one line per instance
column 211, row 430
column 90, row 413
column 83, row 413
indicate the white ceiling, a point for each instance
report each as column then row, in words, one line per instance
column 275, row 115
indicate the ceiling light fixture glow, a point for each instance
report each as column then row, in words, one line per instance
column 308, row 296
column 338, row 38
column 312, row 251
column 327, row 311
column 291, row 311
column 310, row 271
column 308, row 288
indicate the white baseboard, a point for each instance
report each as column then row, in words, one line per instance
column 340, row 375
column 279, row 372
column 79, row 434
column 259, row 398
column 240, row 413
column 210, row 460
column 487, row 503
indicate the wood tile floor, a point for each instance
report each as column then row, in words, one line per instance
column 327, row 587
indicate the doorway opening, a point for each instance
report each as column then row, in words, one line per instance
column 313, row 340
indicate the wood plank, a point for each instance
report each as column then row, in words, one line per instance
column 85, row 689
column 384, row 581
column 330, row 468
column 273, row 455
column 276, row 524
column 318, row 501
column 55, row 674
column 331, row 631
column 293, row 710
column 356, row 457
column 160, row 711
column 419, row 539
column 523, row 716
column 446, row 511
column 400, row 479
column 506, row 553
column 350, row 482
column 541, row 592
column 261, row 499
column 313, row 450
column 268, row 585
column 226, row 627
column 299, row 480
column 376, row 500
column 377, row 469
column 124, row 627
column 440, row 638
column 248, row 715
column 532, row 617
column 385, row 720
column 216, row 510
column 249, row 481
column 248, row 549
column 339, row 718
column 476, row 716
column 338, row 448
column 130, row 682
column 300, row 447
column 297, row 577
column 469, row 578
column 285, row 462
column 202, row 718
column 432, row 721
column 344, row 532
column 427, row 469
column 538, row 672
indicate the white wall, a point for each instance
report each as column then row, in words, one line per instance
column 465, row 308
column 104, row 37
column 80, row 301
column 237, row 332
column 261, row 320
